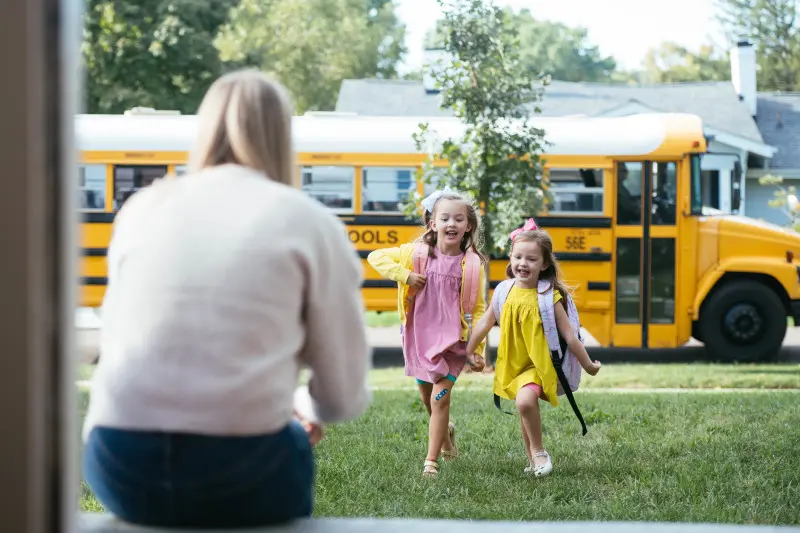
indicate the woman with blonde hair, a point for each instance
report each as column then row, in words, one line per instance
column 221, row 285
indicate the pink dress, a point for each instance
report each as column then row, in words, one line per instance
column 432, row 344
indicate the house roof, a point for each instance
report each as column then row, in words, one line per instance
column 779, row 122
column 377, row 97
column 716, row 103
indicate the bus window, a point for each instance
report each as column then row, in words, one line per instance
column 181, row 170
column 385, row 188
column 662, row 281
column 576, row 191
column 130, row 178
column 665, row 194
column 629, row 194
column 710, row 188
column 629, row 287
column 333, row 186
column 697, row 185
column 438, row 173
column 92, row 186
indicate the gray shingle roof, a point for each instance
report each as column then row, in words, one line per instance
column 779, row 122
column 376, row 97
column 716, row 103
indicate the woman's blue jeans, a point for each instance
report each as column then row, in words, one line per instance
column 185, row 480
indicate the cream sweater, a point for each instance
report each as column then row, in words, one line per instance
column 221, row 285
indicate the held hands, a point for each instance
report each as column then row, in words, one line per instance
column 476, row 362
column 314, row 431
column 416, row 281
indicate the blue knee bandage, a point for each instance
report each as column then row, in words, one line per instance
column 441, row 394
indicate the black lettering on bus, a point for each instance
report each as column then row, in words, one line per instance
column 576, row 242
column 373, row 237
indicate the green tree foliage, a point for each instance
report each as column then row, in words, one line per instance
column 672, row 63
column 772, row 26
column 152, row 53
column 784, row 200
column 551, row 48
column 491, row 90
column 560, row 51
column 312, row 45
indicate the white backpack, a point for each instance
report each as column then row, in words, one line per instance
column 565, row 363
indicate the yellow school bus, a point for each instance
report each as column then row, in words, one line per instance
column 650, row 267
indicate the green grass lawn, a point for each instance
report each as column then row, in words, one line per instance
column 643, row 376
column 385, row 319
column 625, row 376
column 674, row 457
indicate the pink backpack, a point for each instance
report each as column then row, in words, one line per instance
column 469, row 285
column 565, row 363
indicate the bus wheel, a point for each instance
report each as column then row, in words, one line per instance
column 696, row 330
column 744, row 321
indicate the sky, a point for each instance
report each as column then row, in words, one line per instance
column 624, row 29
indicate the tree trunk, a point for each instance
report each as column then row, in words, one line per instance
column 489, row 248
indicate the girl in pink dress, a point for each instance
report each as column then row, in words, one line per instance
column 435, row 328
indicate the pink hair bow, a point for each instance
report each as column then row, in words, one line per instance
column 530, row 225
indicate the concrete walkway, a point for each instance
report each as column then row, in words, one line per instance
column 387, row 348
column 98, row 523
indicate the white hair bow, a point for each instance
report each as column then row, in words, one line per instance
column 432, row 198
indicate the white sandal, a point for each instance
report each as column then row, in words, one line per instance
column 541, row 470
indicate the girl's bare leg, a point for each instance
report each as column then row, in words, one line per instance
column 440, row 417
column 530, row 416
column 425, row 392
column 526, row 441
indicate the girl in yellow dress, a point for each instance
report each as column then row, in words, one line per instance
column 524, row 371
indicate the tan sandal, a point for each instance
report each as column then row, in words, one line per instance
column 451, row 454
column 430, row 468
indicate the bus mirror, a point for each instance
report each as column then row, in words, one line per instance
column 736, row 187
column 736, row 200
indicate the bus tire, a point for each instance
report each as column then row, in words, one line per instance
column 743, row 321
column 696, row 330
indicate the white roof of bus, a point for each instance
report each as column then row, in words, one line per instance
column 631, row 135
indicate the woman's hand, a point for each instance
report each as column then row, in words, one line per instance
column 314, row 431
column 416, row 281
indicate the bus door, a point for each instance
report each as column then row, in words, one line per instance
column 645, row 258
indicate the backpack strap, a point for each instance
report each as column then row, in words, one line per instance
column 500, row 296
column 419, row 258
column 419, row 261
column 470, row 287
column 554, row 343
column 546, row 302
column 497, row 404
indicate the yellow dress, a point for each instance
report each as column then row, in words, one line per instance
column 523, row 356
